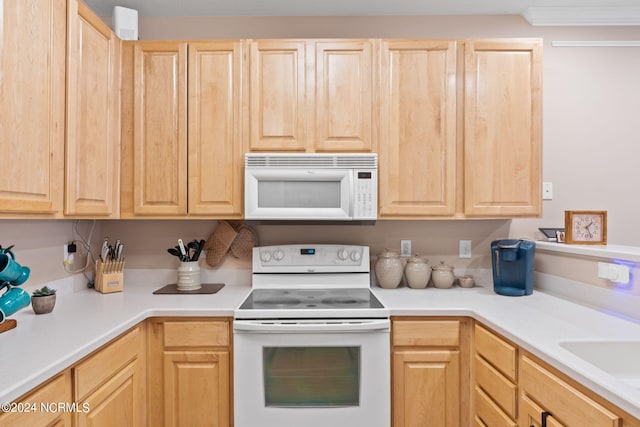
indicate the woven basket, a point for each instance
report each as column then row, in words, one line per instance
column 242, row 246
column 218, row 244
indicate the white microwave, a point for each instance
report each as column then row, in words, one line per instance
column 311, row 186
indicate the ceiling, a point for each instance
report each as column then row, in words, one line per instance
column 367, row 7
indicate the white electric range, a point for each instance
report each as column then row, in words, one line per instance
column 311, row 342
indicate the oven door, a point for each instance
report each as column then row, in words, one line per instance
column 298, row 194
column 312, row 373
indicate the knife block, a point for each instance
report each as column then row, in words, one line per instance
column 109, row 276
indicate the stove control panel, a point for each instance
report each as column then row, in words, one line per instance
column 303, row 258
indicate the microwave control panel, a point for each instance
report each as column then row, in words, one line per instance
column 365, row 194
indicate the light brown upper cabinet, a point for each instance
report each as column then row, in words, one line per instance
column 92, row 170
column 155, row 97
column 343, row 89
column 179, row 163
column 311, row 95
column 417, row 151
column 503, row 128
column 278, row 104
column 216, row 149
column 32, row 106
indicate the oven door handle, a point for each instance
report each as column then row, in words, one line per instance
column 306, row 326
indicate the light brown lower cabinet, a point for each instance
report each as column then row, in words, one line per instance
column 56, row 390
column 559, row 400
column 445, row 372
column 109, row 386
column 428, row 357
column 514, row 388
column 531, row 414
column 189, row 372
column 495, row 393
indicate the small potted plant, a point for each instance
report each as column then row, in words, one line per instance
column 43, row 300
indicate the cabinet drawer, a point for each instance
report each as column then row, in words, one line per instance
column 566, row 404
column 501, row 354
column 56, row 390
column 500, row 389
column 200, row 333
column 489, row 412
column 94, row 371
column 444, row 333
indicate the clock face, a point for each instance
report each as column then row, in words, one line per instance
column 587, row 228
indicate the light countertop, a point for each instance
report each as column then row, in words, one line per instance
column 83, row 321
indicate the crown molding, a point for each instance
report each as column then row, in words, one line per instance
column 583, row 16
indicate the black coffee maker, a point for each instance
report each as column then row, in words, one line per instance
column 512, row 262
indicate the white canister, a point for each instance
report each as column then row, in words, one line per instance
column 189, row 276
column 388, row 269
column 442, row 276
column 417, row 272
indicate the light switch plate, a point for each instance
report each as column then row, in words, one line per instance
column 465, row 248
column 547, row 191
column 405, row 247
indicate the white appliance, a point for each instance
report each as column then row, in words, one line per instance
column 311, row 342
column 311, row 186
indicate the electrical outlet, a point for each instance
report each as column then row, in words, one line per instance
column 613, row 272
column 465, row 248
column 405, row 247
column 67, row 258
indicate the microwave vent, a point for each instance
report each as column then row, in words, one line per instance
column 337, row 161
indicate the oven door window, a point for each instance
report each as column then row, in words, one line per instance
column 311, row 376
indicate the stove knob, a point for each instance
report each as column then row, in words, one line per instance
column 265, row 256
column 278, row 255
column 356, row 255
column 343, row 254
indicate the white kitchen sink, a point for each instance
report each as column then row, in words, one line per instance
column 620, row 359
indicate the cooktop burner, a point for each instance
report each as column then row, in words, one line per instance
column 310, row 299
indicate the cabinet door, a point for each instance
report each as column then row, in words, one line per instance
column 196, row 387
column 116, row 403
column 112, row 383
column 278, row 105
column 48, row 395
column 215, row 138
column 159, row 129
column 92, row 155
column 426, row 388
column 566, row 403
column 32, row 105
column 531, row 414
column 418, row 128
column 343, row 90
column 503, row 128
